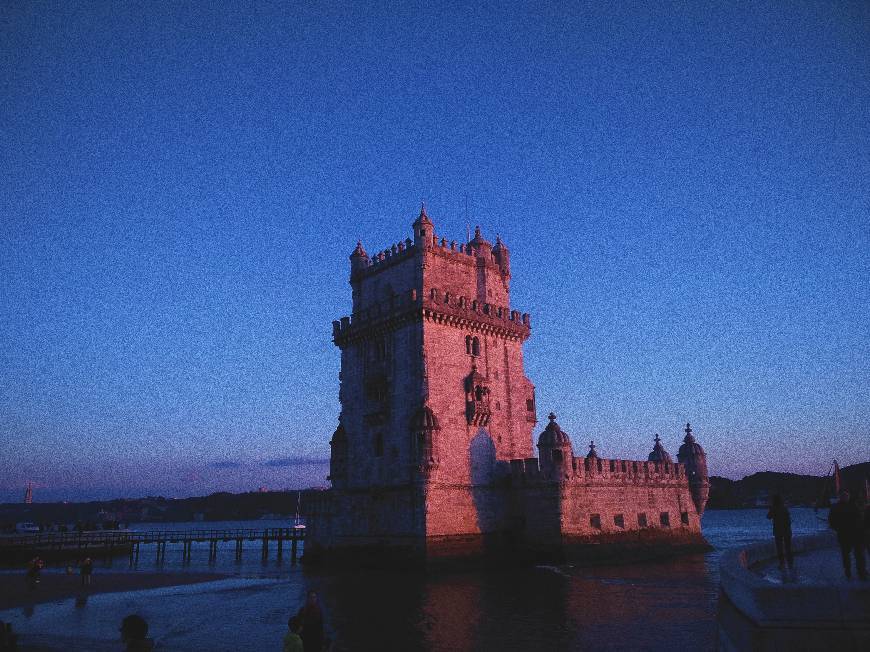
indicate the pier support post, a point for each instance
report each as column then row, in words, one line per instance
column 265, row 547
column 293, row 546
column 238, row 550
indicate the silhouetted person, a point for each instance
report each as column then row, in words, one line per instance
column 8, row 638
column 311, row 617
column 34, row 568
column 292, row 640
column 86, row 570
column 778, row 513
column 846, row 519
column 134, row 634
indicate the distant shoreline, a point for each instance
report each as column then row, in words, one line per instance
column 15, row 593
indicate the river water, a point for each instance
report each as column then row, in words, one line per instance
column 668, row 604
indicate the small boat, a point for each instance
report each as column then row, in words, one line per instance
column 298, row 523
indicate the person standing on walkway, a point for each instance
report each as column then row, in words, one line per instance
column 846, row 519
column 778, row 513
column 312, row 624
column 87, row 569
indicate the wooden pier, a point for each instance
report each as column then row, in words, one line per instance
column 14, row 548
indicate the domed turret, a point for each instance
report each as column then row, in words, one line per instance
column 693, row 456
column 481, row 245
column 659, row 454
column 554, row 448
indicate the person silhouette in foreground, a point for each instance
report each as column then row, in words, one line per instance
column 8, row 638
column 778, row 513
column 86, row 570
column 845, row 519
column 292, row 640
column 134, row 634
column 311, row 621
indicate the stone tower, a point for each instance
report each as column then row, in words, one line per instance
column 693, row 456
column 434, row 398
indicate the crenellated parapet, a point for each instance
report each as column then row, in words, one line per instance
column 437, row 306
column 476, row 252
column 392, row 255
column 600, row 471
column 463, row 312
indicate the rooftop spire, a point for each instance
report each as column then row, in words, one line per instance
column 592, row 452
column 423, row 218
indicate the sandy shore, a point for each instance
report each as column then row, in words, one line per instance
column 15, row 592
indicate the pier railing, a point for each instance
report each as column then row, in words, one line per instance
column 113, row 540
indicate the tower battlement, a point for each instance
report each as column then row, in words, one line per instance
column 439, row 306
column 599, row 470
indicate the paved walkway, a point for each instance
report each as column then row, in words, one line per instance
column 813, row 568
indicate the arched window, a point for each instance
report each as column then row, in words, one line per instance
column 475, row 346
column 379, row 445
column 468, row 344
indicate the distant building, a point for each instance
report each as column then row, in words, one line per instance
column 28, row 494
column 433, row 455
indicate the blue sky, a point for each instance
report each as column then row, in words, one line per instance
column 684, row 190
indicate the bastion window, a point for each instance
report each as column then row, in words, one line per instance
column 530, row 404
column 475, row 346
column 641, row 520
column 684, row 518
column 595, row 521
column 468, row 344
column 665, row 519
column 619, row 521
column 379, row 445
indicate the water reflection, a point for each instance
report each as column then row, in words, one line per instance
column 559, row 608
column 653, row 605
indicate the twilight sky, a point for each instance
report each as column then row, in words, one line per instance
column 685, row 190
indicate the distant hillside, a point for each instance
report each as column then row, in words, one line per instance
column 216, row 507
column 756, row 489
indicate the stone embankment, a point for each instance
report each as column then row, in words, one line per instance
column 813, row 607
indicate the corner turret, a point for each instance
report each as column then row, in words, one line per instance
column 659, row 454
column 424, row 229
column 359, row 259
column 502, row 255
column 692, row 455
column 554, row 449
column 480, row 245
